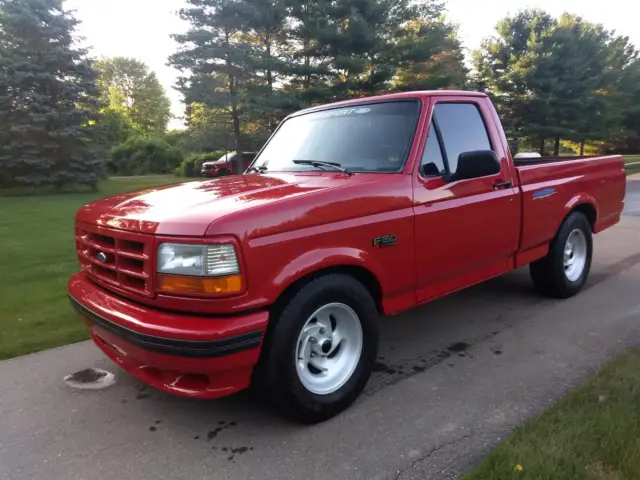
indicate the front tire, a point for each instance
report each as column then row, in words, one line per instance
column 320, row 353
column 565, row 269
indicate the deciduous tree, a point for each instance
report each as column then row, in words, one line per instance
column 506, row 61
column 562, row 79
column 129, row 88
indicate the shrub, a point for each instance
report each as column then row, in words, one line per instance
column 141, row 156
column 190, row 166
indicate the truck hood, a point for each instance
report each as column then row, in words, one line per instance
column 189, row 208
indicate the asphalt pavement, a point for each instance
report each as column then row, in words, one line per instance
column 453, row 379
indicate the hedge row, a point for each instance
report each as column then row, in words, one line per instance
column 143, row 156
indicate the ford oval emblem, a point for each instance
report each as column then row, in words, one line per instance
column 102, row 257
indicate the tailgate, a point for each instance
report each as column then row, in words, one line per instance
column 551, row 190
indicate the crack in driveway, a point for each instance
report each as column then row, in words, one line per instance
column 452, row 443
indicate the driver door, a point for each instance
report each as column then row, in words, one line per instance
column 466, row 230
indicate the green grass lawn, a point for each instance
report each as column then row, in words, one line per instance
column 591, row 434
column 632, row 169
column 38, row 257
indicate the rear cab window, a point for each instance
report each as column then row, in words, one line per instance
column 455, row 128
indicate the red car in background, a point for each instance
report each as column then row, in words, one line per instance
column 226, row 164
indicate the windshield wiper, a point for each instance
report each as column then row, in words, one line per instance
column 319, row 164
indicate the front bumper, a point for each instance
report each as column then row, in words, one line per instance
column 187, row 355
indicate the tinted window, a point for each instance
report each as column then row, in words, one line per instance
column 432, row 163
column 462, row 130
column 367, row 138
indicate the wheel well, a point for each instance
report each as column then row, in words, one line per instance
column 361, row 274
column 589, row 211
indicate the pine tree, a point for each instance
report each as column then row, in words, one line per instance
column 429, row 55
column 48, row 99
column 353, row 48
column 265, row 31
column 360, row 46
column 309, row 57
column 215, row 58
column 363, row 39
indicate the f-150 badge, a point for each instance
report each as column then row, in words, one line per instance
column 385, row 241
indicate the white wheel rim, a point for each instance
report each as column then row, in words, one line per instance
column 575, row 255
column 329, row 348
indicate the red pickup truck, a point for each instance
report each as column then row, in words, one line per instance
column 226, row 164
column 351, row 211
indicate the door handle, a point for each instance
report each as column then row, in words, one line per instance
column 499, row 185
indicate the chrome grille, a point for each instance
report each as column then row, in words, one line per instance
column 116, row 258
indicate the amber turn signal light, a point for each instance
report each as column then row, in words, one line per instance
column 214, row 285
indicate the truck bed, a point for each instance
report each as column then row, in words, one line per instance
column 552, row 187
column 522, row 162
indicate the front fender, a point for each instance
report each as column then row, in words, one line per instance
column 323, row 258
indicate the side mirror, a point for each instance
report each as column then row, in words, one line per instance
column 476, row 164
column 430, row 170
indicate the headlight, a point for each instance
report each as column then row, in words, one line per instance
column 198, row 268
column 197, row 260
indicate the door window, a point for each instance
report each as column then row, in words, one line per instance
column 462, row 130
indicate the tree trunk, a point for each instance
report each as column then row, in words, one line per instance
column 236, row 125
column 307, row 57
column 556, row 147
column 582, row 148
column 268, row 55
column 269, row 75
column 234, row 112
column 307, row 63
column 542, row 146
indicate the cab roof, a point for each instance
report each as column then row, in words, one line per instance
column 417, row 94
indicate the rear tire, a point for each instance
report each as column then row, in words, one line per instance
column 319, row 355
column 565, row 269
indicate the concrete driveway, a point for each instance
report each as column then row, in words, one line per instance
column 453, row 379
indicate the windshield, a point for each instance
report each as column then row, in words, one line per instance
column 364, row 138
column 225, row 157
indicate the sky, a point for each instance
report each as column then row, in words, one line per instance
column 142, row 28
